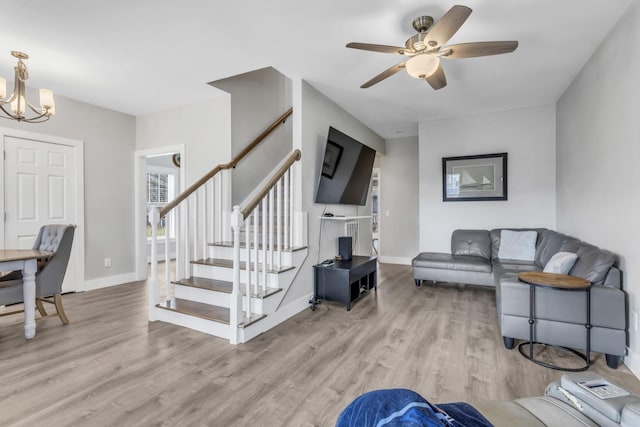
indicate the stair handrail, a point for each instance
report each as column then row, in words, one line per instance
column 223, row 166
column 260, row 194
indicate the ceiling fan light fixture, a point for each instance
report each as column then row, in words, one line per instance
column 422, row 66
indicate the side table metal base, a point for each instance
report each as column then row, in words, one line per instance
column 547, row 365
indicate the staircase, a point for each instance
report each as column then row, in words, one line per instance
column 232, row 288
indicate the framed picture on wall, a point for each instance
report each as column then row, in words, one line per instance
column 474, row 178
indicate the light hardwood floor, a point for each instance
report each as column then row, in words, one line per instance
column 110, row 366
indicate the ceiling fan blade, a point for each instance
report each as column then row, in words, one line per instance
column 437, row 80
column 383, row 75
column 377, row 48
column 447, row 26
column 471, row 50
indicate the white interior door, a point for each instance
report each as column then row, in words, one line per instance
column 40, row 188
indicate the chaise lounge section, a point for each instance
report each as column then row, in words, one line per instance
column 495, row 257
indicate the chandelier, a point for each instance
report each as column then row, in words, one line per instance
column 16, row 105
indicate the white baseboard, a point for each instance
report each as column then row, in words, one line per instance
column 105, row 282
column 394, row 260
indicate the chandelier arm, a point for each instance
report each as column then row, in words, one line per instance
column 40, row 111
column 11, row 116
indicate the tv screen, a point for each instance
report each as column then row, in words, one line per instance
column 346, row 170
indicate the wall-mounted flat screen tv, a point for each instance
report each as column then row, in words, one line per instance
column 345, row 171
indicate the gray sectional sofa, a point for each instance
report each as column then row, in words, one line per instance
column 476, row 258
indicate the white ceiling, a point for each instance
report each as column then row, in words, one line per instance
column 140, row 56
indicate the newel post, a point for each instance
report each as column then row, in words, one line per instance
column 237, row 220
column 154, row 284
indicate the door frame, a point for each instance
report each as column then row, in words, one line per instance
column 140, row 220
column 78, row 147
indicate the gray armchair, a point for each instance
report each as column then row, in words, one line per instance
column 56, row 238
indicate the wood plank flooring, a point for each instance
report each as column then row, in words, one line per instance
column 110, row 367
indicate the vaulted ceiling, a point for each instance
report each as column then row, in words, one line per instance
column 147, row 55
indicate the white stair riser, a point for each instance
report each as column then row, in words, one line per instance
column 196, row 323
column 221, row 299
column 226, row 274
column 227, row 253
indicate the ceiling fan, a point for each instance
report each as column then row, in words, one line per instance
column 425, row 49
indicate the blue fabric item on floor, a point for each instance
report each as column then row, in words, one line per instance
column 406, row 408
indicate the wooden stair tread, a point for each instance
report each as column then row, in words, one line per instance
column 208, row 284
column 244, row 246
column 227, row 263
column 223, row 286
column 197, row 309
column 207, row 311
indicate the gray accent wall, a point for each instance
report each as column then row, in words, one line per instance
column 598, row 154
column 314, row 114
column 398, row 201
column 527, row 135
column 109, row 144
column 257, row 99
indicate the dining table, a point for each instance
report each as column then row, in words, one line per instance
column 25, row 260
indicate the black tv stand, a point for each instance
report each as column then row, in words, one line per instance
column 344, row 281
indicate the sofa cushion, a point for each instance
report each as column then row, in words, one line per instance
column 549, row 244
column 561, row 263
column 451, row 262
column 520, row 245
column 593, row 263
column 570, row 244
column 471, row 242
column 496, row 233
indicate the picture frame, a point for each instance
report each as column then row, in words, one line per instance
column 474, row 178
column 332, row 156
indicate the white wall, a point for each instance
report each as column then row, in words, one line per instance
column 313, row 114
column 399, row 201
column 598, row 156
column 109, row 142
column 527, row 135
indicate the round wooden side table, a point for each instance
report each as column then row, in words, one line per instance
column 555, row 281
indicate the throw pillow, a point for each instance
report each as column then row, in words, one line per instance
column 520, row 245
column 561, row 263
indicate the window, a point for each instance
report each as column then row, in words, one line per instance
column 160, row 191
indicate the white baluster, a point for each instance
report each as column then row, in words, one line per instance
column 211, row 211
column 263, row 206
column 235, row 305
column 247, row 235
column 291, row 192
column 178, row 229
column 185, row 221
column 271, row 248
column 286, row 210
column 194, row 225
column 256, row 250
column 204, row 220
column 279, row 223
column 154, row 283
column 167, row 261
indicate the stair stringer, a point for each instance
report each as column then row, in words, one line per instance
column 280, row 313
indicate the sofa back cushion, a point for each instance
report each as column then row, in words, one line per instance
column 549, row 244
column 496, row 235
column 593, row 263
column 471, row 242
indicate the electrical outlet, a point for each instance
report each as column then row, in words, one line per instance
column 107, row 263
